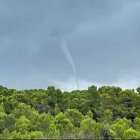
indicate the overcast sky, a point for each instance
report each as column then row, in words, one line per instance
column 103, row 37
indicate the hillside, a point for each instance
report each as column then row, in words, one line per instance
column 103, row 113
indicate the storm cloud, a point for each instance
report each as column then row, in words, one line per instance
column 103, row 37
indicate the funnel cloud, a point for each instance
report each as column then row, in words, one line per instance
column 67, row 53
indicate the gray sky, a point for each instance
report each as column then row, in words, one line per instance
column 102, row 36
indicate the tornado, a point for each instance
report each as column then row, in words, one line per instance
column 68, row 55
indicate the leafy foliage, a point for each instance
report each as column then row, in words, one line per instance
column 106, row 112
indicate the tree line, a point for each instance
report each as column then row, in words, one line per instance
column 107, row 112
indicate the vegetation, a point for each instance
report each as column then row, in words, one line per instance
column 97, row 113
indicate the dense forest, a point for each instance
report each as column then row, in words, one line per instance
column 106, row 112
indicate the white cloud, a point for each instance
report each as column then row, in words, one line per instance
column 127, row 84
column 70, row 84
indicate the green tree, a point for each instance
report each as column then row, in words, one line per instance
column 107, row 116
column 138, row 90
column 89, row 129
column 2, row 108
column 5, row 133
column 137, row 123
column 63, row 124
column 22, row 125
column 131, row 134
column 93, row 90
column 53, row 131
column 90, row 114
column 44, row 122
column 2, row 121
column 56, row 109
column 119, row 126
column 75, row 116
